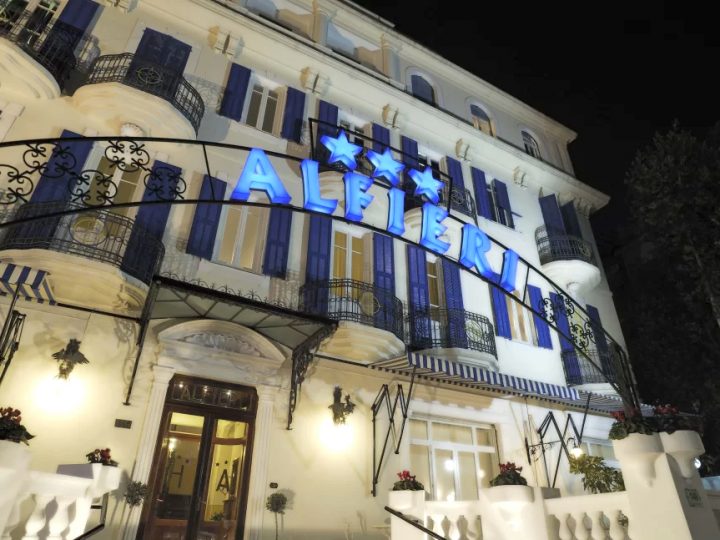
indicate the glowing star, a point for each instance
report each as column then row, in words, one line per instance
column 426, row 184
column 386, row 166
column 341, row 149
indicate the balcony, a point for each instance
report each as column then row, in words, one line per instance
column 462, row 335
column 371, row 318
column 106, row 92
column 37, row 57
column 107, row 273
column 567, row 260
column 579, row 370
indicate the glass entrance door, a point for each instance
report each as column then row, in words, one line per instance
column 201, row 467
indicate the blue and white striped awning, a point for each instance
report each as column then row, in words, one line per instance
column 442, row 369
column 30, row 284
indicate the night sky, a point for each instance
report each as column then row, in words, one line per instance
column 614, row 73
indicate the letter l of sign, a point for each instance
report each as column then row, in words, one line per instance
column 311, row 189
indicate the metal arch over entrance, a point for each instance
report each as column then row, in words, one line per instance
column 73, row 184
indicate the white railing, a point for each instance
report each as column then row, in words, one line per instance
column 605, row 515
column 52, row 506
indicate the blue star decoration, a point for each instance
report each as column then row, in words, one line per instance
column 426, row 184
column 386, row 166
column 341, row 149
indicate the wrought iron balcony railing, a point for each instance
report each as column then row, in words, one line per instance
column 456, row 198
column 562, row 247
column 450, row 328
column 51, row 44
column 132, row 70
column 356, row 301
column 99, row 234
column 578, row 370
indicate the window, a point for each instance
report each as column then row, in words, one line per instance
column 126, row 182
column 481, row 120
column 348, row 256
column 262, row 108
column 433, row 163
column 531, row 145
column 500, row 214
column 243, row 237
column 434, row 290
column 422, row 89
column 600, row 448
column 42, row 13
column 452, row 460
column 522, row 324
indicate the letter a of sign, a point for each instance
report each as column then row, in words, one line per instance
column 259, row 174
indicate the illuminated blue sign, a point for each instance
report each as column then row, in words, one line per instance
column 259, row 175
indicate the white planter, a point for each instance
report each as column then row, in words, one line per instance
column 406, row 500
column 14, row 463
column 105, row 478
column 638, row 453
column 519, row 495
column 684, row 446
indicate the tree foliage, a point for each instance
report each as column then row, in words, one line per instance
column 672, row 313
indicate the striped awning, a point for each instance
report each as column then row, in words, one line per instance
column 30, row 284
column 451, row 371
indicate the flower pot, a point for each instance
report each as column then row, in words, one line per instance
column 14, row 463
column 684, row 446
column 406, row 500
column 638, row 452
column 105, row 478
column 510, row 494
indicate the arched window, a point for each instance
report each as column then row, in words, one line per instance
column 531, row 145
column 481, row 120
column 422, row 89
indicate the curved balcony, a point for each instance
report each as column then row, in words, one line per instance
column 567, row 260
column 371, row 318
column 114, row 248
column 160, row 81
column 579, row 371
column 442, row 328
column 51, row 46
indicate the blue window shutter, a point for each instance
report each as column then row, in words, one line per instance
column 294, row 114
column 151, row 219
column 573, row 374
column 409, row 149
column 419, row 299
column 235, row 91
column 207, row 218
column 455, row 173
column 503, row 202
column 74, row 20
column 277, row 244
column 317, row 267
column 456, row 331
column 570, row 219
column 62, row 170
column 162, row 50
column 381, row 138
column 552, row 216
column 482, row 197
column 502, row 319
column 384, row 278
column 327, row 125
column 422, row 89
column 543, row 330
column 601, row 343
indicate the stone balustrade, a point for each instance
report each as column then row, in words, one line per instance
column 40, row 505
column 605, row 515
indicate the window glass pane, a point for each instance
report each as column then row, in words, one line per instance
column 484, row 437
column 420, row 464
column 418, row 429
column 270, row 107
column 249, row 237
column 357, row 258
column 229, row 236
column 433, row 292
column 444, row 475
column 451, row 433
column 486, row 469
column 340, row 255
column 254, row 107
column 468, row 489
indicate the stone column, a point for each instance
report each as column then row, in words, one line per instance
column 264, row 424
column 153, row 415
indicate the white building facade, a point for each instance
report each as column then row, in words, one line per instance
column 217, row 331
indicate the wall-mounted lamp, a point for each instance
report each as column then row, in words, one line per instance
column 339, row 409
column 575, row 449
column 68, row 358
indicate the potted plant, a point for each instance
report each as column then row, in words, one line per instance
column 636, row 443
column 597, row 477
column 100, row 467
column 510, row 485
column 407, row 492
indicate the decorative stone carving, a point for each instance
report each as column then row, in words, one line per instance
column 223, row 42
column 222, row 342
column 462, row 150
column 520, row 177
column 391, row 116
column 313, row 81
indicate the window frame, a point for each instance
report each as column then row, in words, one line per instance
column 367, row 255
column 517, row 313
column 267, row 87
column 531, row 143
column 475, row 448
column 476, row 120
column 259, row 249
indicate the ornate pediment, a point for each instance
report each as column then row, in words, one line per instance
column 222, row 342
